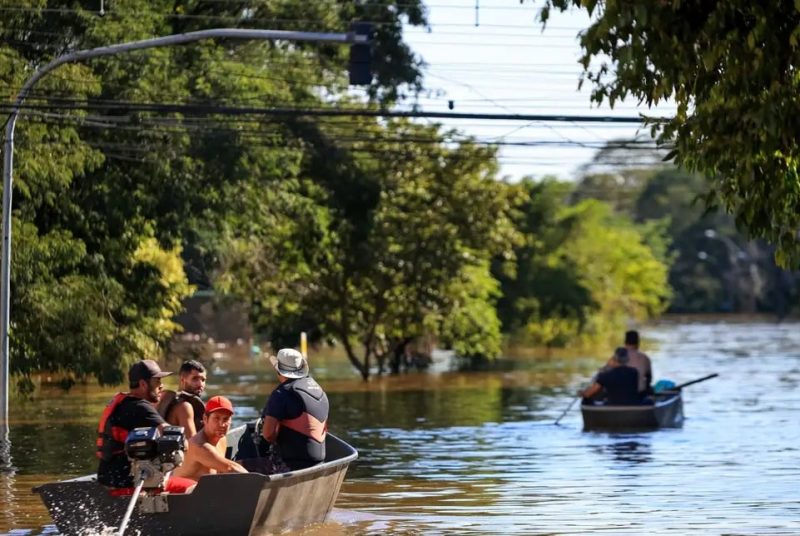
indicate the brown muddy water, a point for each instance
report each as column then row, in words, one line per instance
column 448, row 452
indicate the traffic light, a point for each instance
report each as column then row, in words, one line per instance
column 360, row 66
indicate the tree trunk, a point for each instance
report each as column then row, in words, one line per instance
column 399, row 354
column 363, row 368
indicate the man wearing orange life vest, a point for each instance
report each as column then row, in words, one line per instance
column 296, row 414
column 125, row 412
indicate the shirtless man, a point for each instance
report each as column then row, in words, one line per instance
column 640, row 361
column 206, row 452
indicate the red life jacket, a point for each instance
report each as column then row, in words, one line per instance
column 111, row 439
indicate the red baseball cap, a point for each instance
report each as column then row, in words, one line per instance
column 216, row 403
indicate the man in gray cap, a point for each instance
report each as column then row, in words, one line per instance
column 619, row 380
column 127, row 411
column 296, row 414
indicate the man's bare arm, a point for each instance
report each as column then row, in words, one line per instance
column 183, row 413
column 591, row 390
column 208, row 456
column 270, row 429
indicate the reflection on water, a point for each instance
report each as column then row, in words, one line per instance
column 631, row 451
column 477, row 453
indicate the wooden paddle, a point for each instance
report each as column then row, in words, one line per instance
column 567, row 410
column 698, row 380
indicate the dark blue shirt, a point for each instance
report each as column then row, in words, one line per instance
column 621, row 384
column 286, row 403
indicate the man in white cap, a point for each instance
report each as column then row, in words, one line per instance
column 296, row 414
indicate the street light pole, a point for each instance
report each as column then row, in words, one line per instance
column 360, row 36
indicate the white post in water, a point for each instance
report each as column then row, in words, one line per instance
column 358, row 37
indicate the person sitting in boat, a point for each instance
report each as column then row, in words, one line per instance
column 640, row 361
column 185, row 407
column 619, row 381
column 295, row 417
column 206, row 452
column 127, row 411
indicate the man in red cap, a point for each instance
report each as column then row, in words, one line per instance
column 127, row 411
column 206, row 453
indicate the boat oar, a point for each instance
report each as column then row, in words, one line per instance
column 698, row 380
column 129, row 511
column 567, row 410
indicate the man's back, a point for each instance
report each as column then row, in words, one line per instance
column 641, row 362
column 621, row 385
column 301, row 406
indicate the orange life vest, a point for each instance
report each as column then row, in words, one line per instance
column 111, row 439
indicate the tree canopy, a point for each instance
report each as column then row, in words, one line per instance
column 731, row 68
column 583, row 272
column 118, row 212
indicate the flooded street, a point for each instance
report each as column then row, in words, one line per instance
column 448, row 452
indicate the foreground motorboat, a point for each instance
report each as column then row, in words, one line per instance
column 224, row 504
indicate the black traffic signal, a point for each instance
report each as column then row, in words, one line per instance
column 360, row 66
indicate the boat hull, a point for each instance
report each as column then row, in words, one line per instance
column 235, row 504
column 667, row 412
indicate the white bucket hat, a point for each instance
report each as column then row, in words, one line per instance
column 290, row 363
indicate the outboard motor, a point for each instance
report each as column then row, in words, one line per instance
column 155, row 454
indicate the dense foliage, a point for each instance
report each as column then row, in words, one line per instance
column 364, row 232
column 715, row 268
column 731, row 67
column 395, row 247
column 583, row 271
column 108, row 203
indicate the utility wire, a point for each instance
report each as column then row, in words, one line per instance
column 207, row 109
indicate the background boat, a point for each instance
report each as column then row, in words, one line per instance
column 667, row 412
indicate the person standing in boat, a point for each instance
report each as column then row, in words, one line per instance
column 206, row 452
column 295, row 417
column 126, row 411
column 185, row 407
column 640, row 361
column 619, row 381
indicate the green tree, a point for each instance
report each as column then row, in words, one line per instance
column 394, row 249
column 107, row 196
column 730, row 67
column 583, row 270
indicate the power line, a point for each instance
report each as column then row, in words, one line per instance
column 208, row 109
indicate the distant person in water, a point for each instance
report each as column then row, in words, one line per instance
column 619, row 381
column 206, row 452
column 185, row 407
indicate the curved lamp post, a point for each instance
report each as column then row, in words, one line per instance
column 360, row 38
